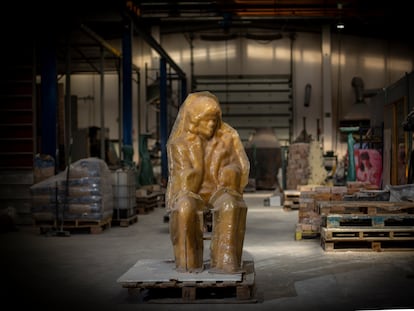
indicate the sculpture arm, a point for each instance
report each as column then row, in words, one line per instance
column 239, row 163
column 185, row 169
column 230, row 164
column 243, row 163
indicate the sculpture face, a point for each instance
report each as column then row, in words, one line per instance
column 204, row 117
column 207, row 125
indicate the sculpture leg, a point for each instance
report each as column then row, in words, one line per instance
column 229, row 226
column 187, row 235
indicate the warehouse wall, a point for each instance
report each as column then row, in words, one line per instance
column 87, row 89
column 379, row 63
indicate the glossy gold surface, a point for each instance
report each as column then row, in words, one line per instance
column 208, row 170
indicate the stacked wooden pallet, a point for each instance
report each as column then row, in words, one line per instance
column 146, row 203
column 309, row 219
column 357, row 186
column 291, row 199
column 149, row 197
column 366, row 225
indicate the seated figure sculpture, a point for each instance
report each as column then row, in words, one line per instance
column 208, row 170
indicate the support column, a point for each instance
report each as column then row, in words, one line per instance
column 127, row 93
column 326, row 90
column 102, row 105
column 68, row 106
column 49, row 100
column 183, row 90
column 163, row 119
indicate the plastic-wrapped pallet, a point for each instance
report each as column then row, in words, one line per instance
column 400, row 193
column 82, row 191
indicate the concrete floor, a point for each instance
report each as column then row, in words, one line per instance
column 81, row 271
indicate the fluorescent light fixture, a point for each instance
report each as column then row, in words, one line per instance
column 340, row 25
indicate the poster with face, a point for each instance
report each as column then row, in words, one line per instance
column 368, row 165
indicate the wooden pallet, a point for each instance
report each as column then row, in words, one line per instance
column 146, row 204
column 367, row 221
column 291, row 199
column 74, row 225
column 306, row 231
column 377, row 234
column 377, row 239
column 143, row 209
column 290, row 205
column 148, row 199
column 123, row 213
column 124, row 217
column 363, row 245
column 155, row 281
column 125, row 222
column 364, row 207
column 160, row 198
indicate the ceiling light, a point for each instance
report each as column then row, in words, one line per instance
column 340, row 25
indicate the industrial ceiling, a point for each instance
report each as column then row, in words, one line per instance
column 86, row 25
column 360, row 17
column 372, row 18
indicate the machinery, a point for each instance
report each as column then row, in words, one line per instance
column 351, row 173
column 265, row 156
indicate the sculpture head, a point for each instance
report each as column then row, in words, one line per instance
column 205, row 116
column 200, row 114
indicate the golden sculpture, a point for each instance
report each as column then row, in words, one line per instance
column 208, row 170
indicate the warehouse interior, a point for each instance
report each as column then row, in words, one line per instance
column 90, row 92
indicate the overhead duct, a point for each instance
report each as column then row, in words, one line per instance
column 358, row 85
column 360, row 93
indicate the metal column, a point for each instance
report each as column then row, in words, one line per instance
column 327, row 90
column 102, row 105
column 127, row 93
column 49, row 101
column 163, row 119
column 68, row 106
column 183, row 89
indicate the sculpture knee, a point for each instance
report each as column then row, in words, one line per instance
column 184, row 206
column 187, row 211
column 227, row 200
